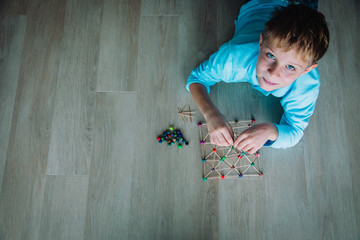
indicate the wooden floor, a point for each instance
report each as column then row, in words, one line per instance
column 87, row 85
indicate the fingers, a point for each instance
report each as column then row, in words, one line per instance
column 246, row 145
column 222, row 137
column 239, row 142
column 220, row 130
column 249, row 148
column 253, row 138
column 219, row 140
column 228, row 138
column 253, row 150
column 245, row 148
column 214, row 139
column 244, row 142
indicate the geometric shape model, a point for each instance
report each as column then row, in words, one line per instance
column 221, row 162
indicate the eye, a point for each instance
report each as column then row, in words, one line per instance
column 269, row 55
column 290, row 67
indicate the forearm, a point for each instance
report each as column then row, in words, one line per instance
column 219, row 129
column 202, row 100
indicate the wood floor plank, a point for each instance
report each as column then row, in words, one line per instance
column 196, row 209
column 197, row 41
column 328, row 161
column 152, row 182
column 228, row 12
column 134, row 187
column 258, row 209
column 109, row 197
column 64, row 208
column 286, row 211
column 241, row 209
column 71, row 132
column 197, row 34
column 196, row 202
column 24, row 177
column 12, row 31
column 160, row 7
column 16, row 7
column 118, row 45
column 348, row 51
column 242, row 202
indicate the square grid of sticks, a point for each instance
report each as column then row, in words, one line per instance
column 221, row 162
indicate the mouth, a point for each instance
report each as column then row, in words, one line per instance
column 269, row 83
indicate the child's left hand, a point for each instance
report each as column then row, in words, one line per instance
column 253, row 138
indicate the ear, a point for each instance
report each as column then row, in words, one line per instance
column 310, row 68
column 261, row 39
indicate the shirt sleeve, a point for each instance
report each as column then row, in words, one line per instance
column 217, row 68
column 231, row 63
column 298, row 106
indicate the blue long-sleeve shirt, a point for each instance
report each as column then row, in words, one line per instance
column 235, row 61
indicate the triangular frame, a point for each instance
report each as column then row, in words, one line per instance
column 220, row 162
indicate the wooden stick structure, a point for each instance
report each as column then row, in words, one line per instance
column 185, row 115
column 221, row 162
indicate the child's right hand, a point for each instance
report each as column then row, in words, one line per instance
column 220, row 130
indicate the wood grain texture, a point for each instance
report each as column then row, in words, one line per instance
column 196, row 209
column 137, row 188
column 118, row 45
column 63, row 208
column 109, row 196
column 15, row 7
column 197, row 34
column 12, row 31
column 242, row 202
column 285, row 187
column 349, row 63
column 163, row 186
column 197, row 41
column 228, row 11
column 328, row 175
column 71, row 132
column 152, row 185
column 160, row 7
column 24, row 177
column 287, row 209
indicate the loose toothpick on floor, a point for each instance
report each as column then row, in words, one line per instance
column 184, row 115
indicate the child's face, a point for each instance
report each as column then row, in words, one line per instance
column 276, row 68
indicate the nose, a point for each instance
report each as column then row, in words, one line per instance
column 274, row 69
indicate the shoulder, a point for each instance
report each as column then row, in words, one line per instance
column 231, row 63
column 234, row 55
column 304, row 91
column 307, row 84
column 252, row 18
column 243, row 53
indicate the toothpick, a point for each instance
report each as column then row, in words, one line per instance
column 184, row 115
column 228, row 162
column 190, row 113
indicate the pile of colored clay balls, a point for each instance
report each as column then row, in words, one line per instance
column 171, row 136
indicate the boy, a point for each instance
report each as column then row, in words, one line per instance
column 282, row 63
